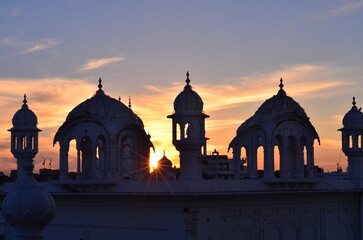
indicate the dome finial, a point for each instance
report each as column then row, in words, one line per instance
column 100, row 84
column 187, row 80
column 281, row 84
column 129, row 102
column 354, row 102
column 25, row 101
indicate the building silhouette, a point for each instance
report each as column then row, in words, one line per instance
column 113, row 195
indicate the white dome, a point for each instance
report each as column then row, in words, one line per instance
column 188, row 101
column 24, row 118
column 354, row 118
column 101, row 106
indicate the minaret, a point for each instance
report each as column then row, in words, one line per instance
column 352, row 134
column 28, row 208
column 24, row 136
column 189, row 131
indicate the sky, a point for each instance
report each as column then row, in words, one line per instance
column 235, row 51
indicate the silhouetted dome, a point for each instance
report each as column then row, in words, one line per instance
column 25, row 118
column 101, row 106
column 277, row 107
column 188, row 101
column 165, row 162
column 354, row 118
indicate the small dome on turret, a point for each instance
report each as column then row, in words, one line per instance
column 188, row 101
column 25, row 118
column 354, row 118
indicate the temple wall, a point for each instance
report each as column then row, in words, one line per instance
column 256, row 216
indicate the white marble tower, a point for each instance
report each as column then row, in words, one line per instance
column 189, row 131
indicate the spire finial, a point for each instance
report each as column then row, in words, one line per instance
column 129, row 102
column 25, row 101
column 164, row 152
column 354, row 102
column 187, row 80
column 100, row 84
column 281, row 84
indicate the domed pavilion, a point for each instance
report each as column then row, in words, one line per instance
column 279, row 122
column 111, row 142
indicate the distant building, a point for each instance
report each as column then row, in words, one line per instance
column 217, row 166
column 164, row 170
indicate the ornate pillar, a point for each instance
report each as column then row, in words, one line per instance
column 63, row 163
column 283, row 161
column 268, row 159
column 252, row 163
column 78, row 161
column 310, row 161
column 236, row 163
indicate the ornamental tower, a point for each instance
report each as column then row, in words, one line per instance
column 28, row 208
column 24, row 136
column 188, row 122
column 352, row 132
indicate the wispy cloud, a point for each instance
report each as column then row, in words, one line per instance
column 335, row 12
column 40, row 45
column 347, row 8
column 97, row 63
column 27, row 47
column 11, row 12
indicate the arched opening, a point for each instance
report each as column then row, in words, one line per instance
column 350, row 141
column 31, row 142
column 22, row 142
column 178, row 129
column 359, row 141
column 72, row 156
column 14, row 142
column 277, row 161
column 303, row 158
column 260, row 160
column 188, row 128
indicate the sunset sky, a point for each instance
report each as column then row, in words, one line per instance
column 235, row 51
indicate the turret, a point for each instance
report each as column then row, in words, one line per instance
column 28, row 208
column 352, row 140
column 24, row 136
column 189, row 131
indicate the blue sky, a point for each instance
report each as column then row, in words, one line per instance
column 236, row 52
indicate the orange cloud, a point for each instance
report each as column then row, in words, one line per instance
column 50, row 99
column 97, row 63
